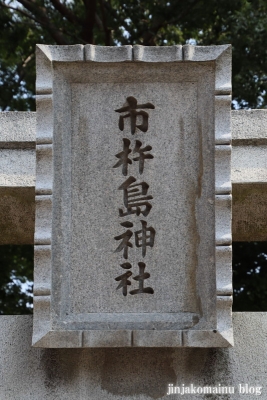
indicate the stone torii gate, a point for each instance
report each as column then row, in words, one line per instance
column 130, row 373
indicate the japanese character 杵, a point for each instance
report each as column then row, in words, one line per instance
column 124, row 160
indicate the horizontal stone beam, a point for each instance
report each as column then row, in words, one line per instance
column 17, row 176
column 249, row 175
column 28, row 373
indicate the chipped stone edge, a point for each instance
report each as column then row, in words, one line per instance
column 94, row 53
column 157, row 53
column 43, row 193
column 43, row 336
column 223, row 335
column 135, row 338
column 111, row 338
column 222, row 55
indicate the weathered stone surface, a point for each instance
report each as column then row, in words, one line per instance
column 249, row 164
column 224, row 270
column 223, row 57
column 105, row 338
column 223, row 120
column 17, row 177
column 249, row 199
column 63, row 53
column 83, row 187
column 17, row 130
column 223, row 169
column 249, row 127
column 249, row 212
column 223, row 205
column 43, row 223
column 28, row 373
column 108, row 54
column 157, row 338
column 249, row 175
column 17, row 168
column 45, row 119
column 157, row 53
column 17, row 215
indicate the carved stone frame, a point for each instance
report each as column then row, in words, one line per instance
column 43, row 335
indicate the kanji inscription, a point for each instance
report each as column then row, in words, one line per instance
column 136, row 198
column 132, row 107
column 133, row 205
column 124, row 160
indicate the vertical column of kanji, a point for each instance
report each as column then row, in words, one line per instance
column 136, row 198
column 44, row 176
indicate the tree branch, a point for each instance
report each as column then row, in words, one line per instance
column 105, row 27
column 18, row 76
column 149, row 35
column 66, row 12
column 98, row 22
column 44, row 20
column 89, row 22
column 20, row 11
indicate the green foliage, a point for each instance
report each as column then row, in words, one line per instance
column 115, row 22
column 148, row 22
column 250, row 276
column 16, row 268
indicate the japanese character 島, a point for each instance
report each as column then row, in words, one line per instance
column 135, row 197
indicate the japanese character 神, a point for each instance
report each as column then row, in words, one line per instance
column 132, row 107
column 135, row 197
column 125, row 239
column 145, row 237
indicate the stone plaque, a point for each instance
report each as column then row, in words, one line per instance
column 133, row 197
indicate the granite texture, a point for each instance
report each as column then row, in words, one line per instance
column 79, row 137
column 223, row 183
column 223, row 219
column 157, row 54
column 17, row 207
column 249, row 175
column 27, row 373
column 223, row 130
column 107, row 54
column 249, row 198
column 249, row 127
column 44, row 128
column 249, row 164
column 17, row 177
column 17, row 168
column 222, row 55
column 249, row 212
column 224, row 270
column 17, row 130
